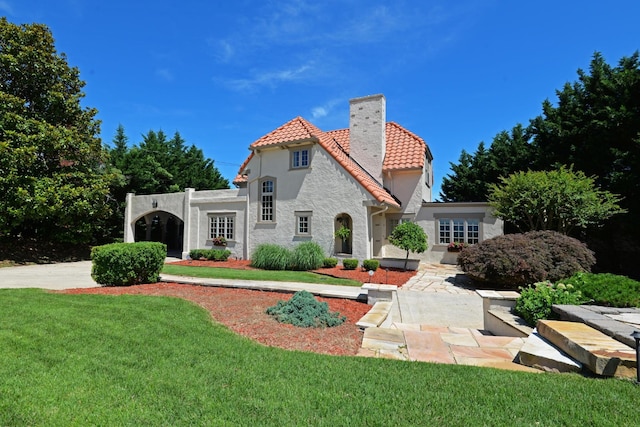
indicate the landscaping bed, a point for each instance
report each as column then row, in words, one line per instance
column 243, row 311
column 390, row 276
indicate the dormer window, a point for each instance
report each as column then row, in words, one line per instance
column 300, row 158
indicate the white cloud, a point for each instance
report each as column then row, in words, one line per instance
column 6, row 7
column 271, row 78
column 325, row 109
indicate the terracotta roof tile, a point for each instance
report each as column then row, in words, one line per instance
column 297, row 129
column 404, row 151
column 240, row 178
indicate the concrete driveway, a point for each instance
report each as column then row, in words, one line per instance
column 68, row 275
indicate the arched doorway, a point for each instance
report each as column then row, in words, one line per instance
column 343, row 232
column 160, row 226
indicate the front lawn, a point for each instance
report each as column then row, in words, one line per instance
column 274, row 275
column 138, row 360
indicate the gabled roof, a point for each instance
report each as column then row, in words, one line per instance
column 404, row 151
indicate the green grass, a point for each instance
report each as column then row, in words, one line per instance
column 274, row 275
column 77, row 360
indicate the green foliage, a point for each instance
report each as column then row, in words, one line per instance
column 473, row 174
column 305, row 311
column 370, row 264
column 343, row 233
column 556, row 200
column 126, row 264
column 534, row 302
column 329, row 262
column 210, row 254
column 271, row 257
column 410, row 237
column 515, row 260
column 607, row 289
column 54, row 179
column 307, row 256
column 350, row 263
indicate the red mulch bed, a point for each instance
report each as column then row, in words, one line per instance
column 390, row 276
column 243, row 311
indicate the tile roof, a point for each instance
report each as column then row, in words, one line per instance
column 404, row 151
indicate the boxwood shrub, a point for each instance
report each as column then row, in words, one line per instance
column 370, row 264
column 125, row 264
column 210, row 254
column 330, row 262
column 516, row 260
column 350, row 263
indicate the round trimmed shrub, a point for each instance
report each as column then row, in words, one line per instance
column 307, row 256
column 126, row 264
column 516, row 260
column 330, row 262
column 271, row 257
column 305, row 311
column 370, row 264
column 350, row 263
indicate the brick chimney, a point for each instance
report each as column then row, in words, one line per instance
column 367, row 140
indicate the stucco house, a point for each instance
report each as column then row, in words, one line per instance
column 300, row 183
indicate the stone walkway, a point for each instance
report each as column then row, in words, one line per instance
column 438, row 318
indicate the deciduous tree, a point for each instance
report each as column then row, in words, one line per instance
column 410, row 237
column 54, row 179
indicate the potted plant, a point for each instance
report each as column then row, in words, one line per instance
column 457, row 246
column 219, row 241
column 343, row 234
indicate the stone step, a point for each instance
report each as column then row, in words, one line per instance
column 500, row 321
column 375, row 316
column 616, row 329
column 597, row 352
column 539, row 353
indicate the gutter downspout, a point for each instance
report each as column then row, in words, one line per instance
column 385, row 208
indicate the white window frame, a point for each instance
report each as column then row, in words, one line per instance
column 222, row 224
column 458, row 229
column 303, row 223
column 300, row 158
column 267, row 205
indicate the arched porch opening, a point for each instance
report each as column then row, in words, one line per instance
column 160, row 226
column 343, row 240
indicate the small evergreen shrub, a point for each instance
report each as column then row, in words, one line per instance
column 534, row 302
column 350, row 263
column 197, row 254
column 607, row 289
column 329, row 262
column 305, row 311
column 210, row 254
column 271, row 257
column 370, row 264
column 307, row 256
column 516, row 260
column 217, row 254
column 126, row 264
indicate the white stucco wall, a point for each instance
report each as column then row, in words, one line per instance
column 325, row 189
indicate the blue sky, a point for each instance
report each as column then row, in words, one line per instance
column 225, row 73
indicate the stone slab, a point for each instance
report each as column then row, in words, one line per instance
column 375, row 316
column 539, row 353
column 598, row 352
